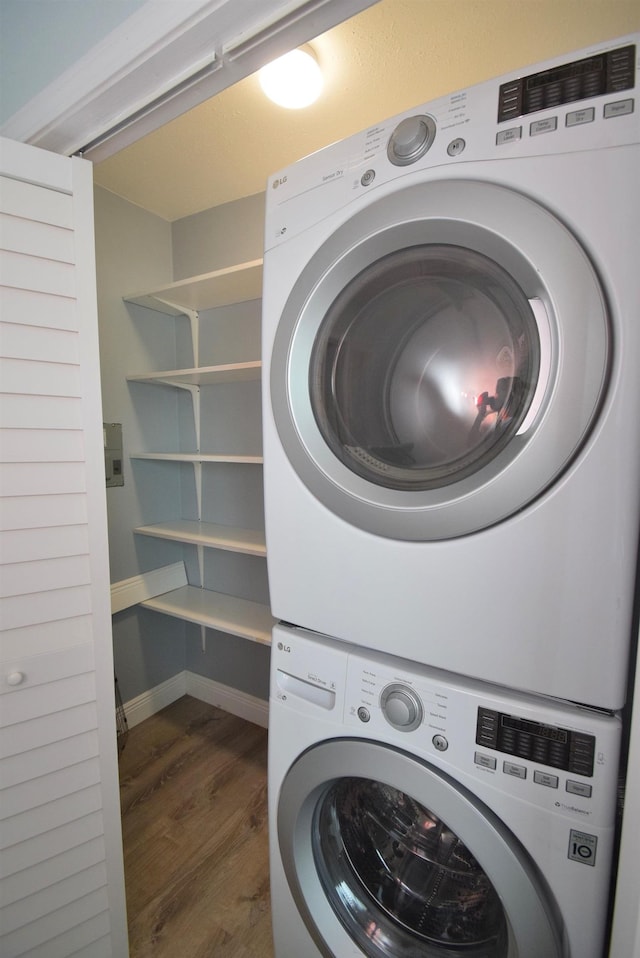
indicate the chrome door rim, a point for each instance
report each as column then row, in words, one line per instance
column 533, row 919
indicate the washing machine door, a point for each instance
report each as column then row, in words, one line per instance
column 440, row 361
column 387, row 857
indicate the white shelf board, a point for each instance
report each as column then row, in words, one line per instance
column 215, row 610
column 209, row 534
column 196, row 457
column 234, row 284
column 203, row 376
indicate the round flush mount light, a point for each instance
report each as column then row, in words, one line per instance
column 293, row 80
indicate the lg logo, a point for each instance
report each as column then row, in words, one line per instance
column 279, row 181
column 283, row 648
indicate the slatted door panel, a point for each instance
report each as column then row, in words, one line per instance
column 61, row 878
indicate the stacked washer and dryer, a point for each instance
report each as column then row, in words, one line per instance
column 451, row 413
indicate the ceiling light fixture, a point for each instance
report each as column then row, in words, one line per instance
column 293, row 80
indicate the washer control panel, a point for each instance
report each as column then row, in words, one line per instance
column 562, row 748
column 537, row 749
column 553, row 755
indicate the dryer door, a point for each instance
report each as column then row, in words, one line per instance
column 440, row 361
column 386, row 853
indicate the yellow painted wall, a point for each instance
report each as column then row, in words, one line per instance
column 438, row 46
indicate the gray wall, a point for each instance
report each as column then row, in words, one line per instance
column 137, row 251
column 133, row 252
column 223, row 236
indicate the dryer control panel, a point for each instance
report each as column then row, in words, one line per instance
column 609, row 72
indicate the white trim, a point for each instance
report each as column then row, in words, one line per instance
column 625, row 933
column 163, row 60
column 231, row 700
column 148, row 585
column 89, row 351
column 154, row 700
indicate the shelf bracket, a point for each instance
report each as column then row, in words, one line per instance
column 200, row 552
column 194, row 321
column 195, row 401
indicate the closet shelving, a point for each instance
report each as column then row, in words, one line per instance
column 209, row 609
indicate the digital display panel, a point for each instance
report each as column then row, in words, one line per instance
column 535, row 728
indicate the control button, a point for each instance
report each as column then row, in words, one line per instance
column 543, row 126
column 440, row 742
column 524, row 745
column 619, row 108
column 363, row 714
column 540, row 751
column 487, row 728
column 456, row 146
column 368, row 177
column 579, row 788
column 581, row 754
column 582, row 847
column 558, row 756
column 411, row 139
column 508, row 136
column 518, row 771
column 401, row 707
column 578, row 117
column 544, row 778
column 486, row 761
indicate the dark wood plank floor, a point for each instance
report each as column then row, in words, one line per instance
column 193, row 783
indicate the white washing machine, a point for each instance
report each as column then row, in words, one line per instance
column 415, row 814
column 451, row 400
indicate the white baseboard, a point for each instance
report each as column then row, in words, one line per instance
column 207, row 690
column 230, row 700
column 153, row 700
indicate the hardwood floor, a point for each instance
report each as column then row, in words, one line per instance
column 194, row 816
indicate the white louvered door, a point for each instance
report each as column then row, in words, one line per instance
column 61, row 885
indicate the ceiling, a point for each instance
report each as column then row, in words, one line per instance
column 394, row 55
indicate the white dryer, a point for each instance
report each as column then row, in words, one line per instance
column 451, row 400
column 415, row 813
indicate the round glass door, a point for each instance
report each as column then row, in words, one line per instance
column 440, row 361
column 400, row 880
column 386, row 854
column 424, row 367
